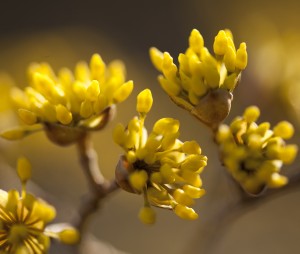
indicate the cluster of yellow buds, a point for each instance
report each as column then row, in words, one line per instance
column 24, row 220
column 202, row 83
column 67, row 105
column 166, row 170
column 253, row 153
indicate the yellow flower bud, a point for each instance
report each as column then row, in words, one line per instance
column 241, row 57
column 220, row 43
column 119, row 134
column 144, row 101
column 100, row 104
column 167, row 173
column 138, row 179
column 82, row 72
column 86, row 109
column 276, row 181
column 194, row 162
column 43, row 211
column 170, row 87
column 28, row 117
column 196, row 41
column 230, row 59
column 166, row 126
column 284, row 130
column 147, row 215
column 93, row 90
column 191, row 147
column 14, row 134
column 251, row 114
column 79, row 89
column 24, row 169
column 185, row 212
column 182, row 198
column 63, row 115
column 191, row 178
column 98, row 67
column 156, row 58
column 122, row 93
column 288, row 153
column 156, row 177
column 193, row 191
column 69, row 236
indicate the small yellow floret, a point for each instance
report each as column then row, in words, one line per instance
column 284, row 130
column 69, row 236
column 28, row 117
column 144, row 101
column 251, row 114
column 93, row 91
column 147, row 215
column 185, row 212
column 63, row 115
column 24, row 169
column 220, row 43
column 138, row 179
column 196, row 41
column 122, row 93
column 156, row 57
column 241, row 57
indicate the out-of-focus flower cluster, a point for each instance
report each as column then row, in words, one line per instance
column 159, row 165
column 24, row 220
column 197, row 80
column 253, row 153
column 81, row 101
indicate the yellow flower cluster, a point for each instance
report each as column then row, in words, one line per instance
column 159, row 165
column 24, row 219
column 199, row 75
column 253, row 153
column 81, row 101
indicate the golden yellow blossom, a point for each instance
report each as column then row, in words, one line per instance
column 24, row 220
column 83, row 101
column 253, row 153
column 159, row 166
column 202, row 83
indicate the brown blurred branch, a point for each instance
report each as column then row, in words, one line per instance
column 99, row 187
column 211, row 232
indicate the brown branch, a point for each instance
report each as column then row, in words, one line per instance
column 99, row 187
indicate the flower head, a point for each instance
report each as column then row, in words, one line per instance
column 253, row 153
column 67, row 104
column 159, row 166
column 202, row 83
column 24, row 219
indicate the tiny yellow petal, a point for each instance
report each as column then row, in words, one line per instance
column 144, row 101
column 63, row 115
column 24, row 169
column 147, row 215
column 27, row 116
column 185, row 212
column 93, row 91
column 122, row 93
column 241, row 57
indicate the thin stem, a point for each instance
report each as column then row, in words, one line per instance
column 99, row 187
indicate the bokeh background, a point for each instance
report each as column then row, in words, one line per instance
column 65, row 32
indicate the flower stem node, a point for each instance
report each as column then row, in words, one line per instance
column 213, row 108
column 165, row 170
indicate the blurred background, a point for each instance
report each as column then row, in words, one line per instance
column 65, row 32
